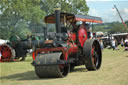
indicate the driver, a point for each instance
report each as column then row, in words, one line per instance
column 74, row 27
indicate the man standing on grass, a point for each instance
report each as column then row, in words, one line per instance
column 113, row 43
column 126, row 43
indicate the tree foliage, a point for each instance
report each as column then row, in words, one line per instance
column 23, row 9
column 25, row 16
column 71, row 6
column 14, row 12
column 114, row 27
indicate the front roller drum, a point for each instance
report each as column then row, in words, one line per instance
column 47, row 66
column 51, row 71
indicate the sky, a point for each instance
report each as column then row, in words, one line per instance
column 104, row 9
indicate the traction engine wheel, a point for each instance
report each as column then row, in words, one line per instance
column 92, row 54
column 51, row 70
column 7, row 53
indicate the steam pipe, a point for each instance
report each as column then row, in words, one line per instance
column 57, row 19
column 30, row 44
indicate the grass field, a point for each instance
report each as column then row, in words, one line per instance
column 114, row 71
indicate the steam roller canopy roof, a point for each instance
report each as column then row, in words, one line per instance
column 72, row 18
column 51, row 18
column 87, row 18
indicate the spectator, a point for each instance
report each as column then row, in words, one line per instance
column 113, row 44
column 74, row 27
column 90, row 34
column 101, row 44
column 122, row 42
column 126, row 43
column 116, row 45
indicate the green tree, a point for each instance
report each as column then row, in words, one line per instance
column 114, row 27
column 117, row 27
column 15, row 11
column 21, row 30
column 71, row 6
column 19, row 14
column 22, row 9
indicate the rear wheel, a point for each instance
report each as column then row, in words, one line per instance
column 92, row 54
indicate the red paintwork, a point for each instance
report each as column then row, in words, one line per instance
column 72, row 48
column 66, row 51
column 82, row 35
column 34, row 55
column 6, row 53
column 92, row 52
column 72, row 36
column 46, row 50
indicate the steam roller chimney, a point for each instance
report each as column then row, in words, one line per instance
column 57, row 19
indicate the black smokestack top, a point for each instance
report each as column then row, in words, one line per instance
column 57, row 19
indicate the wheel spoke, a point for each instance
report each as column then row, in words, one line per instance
column 93, row 55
